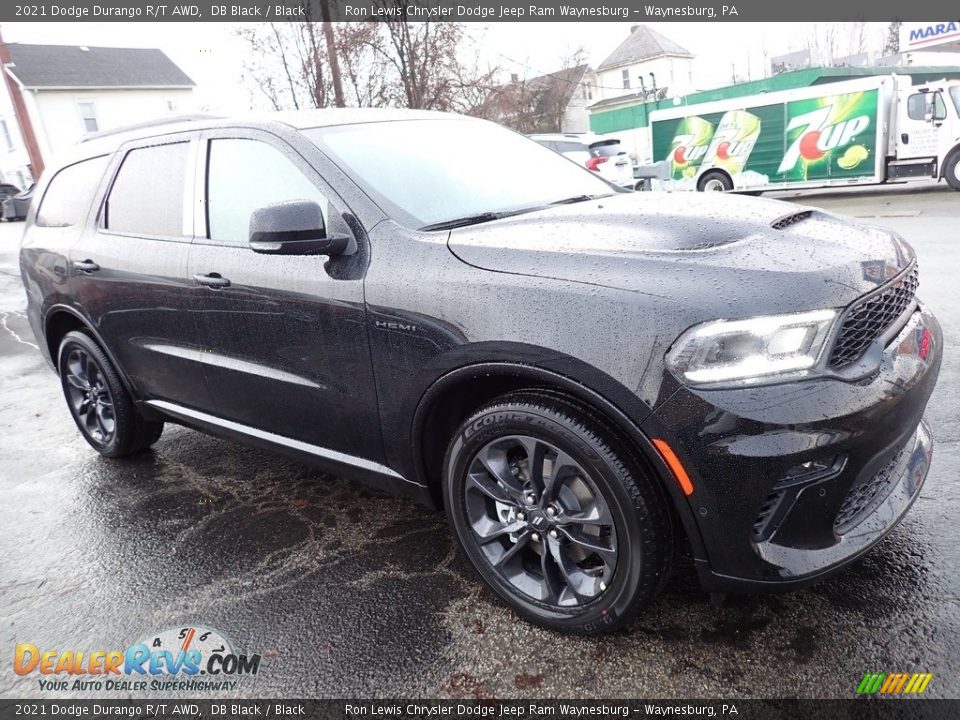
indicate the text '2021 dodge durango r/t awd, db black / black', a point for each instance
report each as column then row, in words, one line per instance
column 584, row 378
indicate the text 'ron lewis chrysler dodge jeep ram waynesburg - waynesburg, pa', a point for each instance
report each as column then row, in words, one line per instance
column 585, row 378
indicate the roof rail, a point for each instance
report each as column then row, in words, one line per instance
column 159, row 122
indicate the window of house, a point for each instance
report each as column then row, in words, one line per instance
column 5, row 131
column 626, row 79
column 147, row 195
column 244, row 175
column 88, row 114
column 172, row 105
column 68, row 196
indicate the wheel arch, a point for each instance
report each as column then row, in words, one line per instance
column 62, row 319
column 952, row 153
column 717, row 171
column 454, row 396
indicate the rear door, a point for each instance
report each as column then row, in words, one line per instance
column 285, row 339
column 131, row 271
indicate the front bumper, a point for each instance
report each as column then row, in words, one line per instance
column 794, row 481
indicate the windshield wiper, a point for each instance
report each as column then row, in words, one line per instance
column 577, row 199
column 476, row 219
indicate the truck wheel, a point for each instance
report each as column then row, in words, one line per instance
column 555, row 515
column 951, row 170
column 99, row 403
column 715, row 181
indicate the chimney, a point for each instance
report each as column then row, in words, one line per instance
column 514, row 78
column 20, row 112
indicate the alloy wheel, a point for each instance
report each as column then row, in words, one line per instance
column 89, row 396
column 540, row 521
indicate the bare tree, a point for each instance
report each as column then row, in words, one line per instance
column 318, row 64
column 824, row 42
column 537, row 104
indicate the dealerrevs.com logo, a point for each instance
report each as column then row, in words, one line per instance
column 184, row 659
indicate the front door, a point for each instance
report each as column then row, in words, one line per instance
column 285, row 339
column 919, row 118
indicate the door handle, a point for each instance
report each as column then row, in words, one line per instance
column 87, row 266
column 211, row 280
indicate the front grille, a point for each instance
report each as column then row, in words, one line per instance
column 868, row 319
column 863, row 498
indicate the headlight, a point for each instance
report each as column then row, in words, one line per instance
column 742, row 350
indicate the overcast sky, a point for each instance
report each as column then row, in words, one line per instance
column 212, row 54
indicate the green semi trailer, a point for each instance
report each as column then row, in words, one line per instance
column 867, row 131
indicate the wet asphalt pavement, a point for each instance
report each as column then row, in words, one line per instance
column 347, row 592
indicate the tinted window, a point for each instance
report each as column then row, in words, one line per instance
column 955, row 94
column 244, row 175
column 70, row 193
column 571, row 147
column 606, row 149
column 147, row 196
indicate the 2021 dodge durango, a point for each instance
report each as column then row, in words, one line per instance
column 585, row 379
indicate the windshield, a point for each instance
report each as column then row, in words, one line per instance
column 427, row 172
column 955, row 95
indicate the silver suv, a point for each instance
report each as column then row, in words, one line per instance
column 604, row 155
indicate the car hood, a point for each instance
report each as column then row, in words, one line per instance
column 751, row 255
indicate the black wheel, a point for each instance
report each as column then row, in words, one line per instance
column 951, row 170
column 555, row 516
column 99, row 403
column 714, row 181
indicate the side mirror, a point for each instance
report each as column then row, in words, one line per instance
column 294, row 227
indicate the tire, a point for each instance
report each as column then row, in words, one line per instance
column 951, row 170
column 534, row 551
column 715, row 181
column 109, row 422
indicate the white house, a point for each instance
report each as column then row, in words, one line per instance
column 627, row 70
column 55, row 95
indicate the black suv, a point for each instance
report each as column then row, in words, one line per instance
column 586, row 379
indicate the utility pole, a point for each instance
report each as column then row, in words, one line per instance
column 332, row 55
column 21, row 113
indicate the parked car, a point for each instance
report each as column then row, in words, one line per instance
column 15, row 207
column 7, row 190
column 586, row 380
column 604, row 155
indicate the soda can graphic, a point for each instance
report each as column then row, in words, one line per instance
column 737, row 134
column 690, row 142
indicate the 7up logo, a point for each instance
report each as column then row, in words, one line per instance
column 820, row 137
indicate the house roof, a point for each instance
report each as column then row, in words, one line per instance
column 642, row 44
column 556, row 89
column 71, row 66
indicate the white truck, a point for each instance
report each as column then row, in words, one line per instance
column 858, row 132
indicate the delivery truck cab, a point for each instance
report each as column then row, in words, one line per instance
column 860, row 132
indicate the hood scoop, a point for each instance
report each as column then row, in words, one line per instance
column 791, row 219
